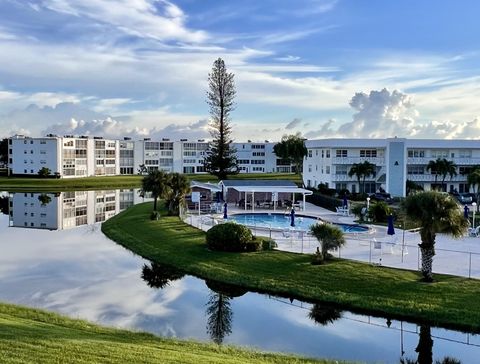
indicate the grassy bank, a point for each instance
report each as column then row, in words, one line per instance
column 34, row 336
column 395, row 293
column 91, row 183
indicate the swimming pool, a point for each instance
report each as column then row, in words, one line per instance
column 281, row 221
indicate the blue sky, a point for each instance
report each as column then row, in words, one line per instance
column 325, row 68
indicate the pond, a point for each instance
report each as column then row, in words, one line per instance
column 75, row 270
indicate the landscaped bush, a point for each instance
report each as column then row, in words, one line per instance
column 229, row 237
column 267, row 243
column 379, row 211
column 254, row 245
column 326, row 202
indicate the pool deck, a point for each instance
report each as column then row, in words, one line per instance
column 453, row 256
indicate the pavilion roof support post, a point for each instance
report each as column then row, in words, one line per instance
column 303, row 206
column 253, row 200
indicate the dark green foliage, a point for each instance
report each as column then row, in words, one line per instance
column 44, row 172
column 179, row 187
column 156, row 182
column 442, row 167
column 326, row 202
column 219, row 317
column 220, row 159
column 362, row 171
column 357, row 211
column 267, row 243
column 229, row 290
column 435, row 212
column 379, row 211
column 329, row 236
column 324, row 190
column 44, row 199
column 160, row 275
column 292, row 148
column 473, row 180
column 229, row 237
column 411, row 186
column 254, row 245
column 324, row 314
column 4, row 151
column 4, row 204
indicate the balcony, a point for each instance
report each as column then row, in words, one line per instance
column 379, row 161
column 457, row 161
column 431, row 178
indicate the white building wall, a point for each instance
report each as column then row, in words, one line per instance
column 28, row 155
column 27, row 211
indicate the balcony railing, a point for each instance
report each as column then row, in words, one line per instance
column 379, row 161
column 457, row 161
column 431, row 178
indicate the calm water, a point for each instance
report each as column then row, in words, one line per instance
column 78, row 272
column 282, row 221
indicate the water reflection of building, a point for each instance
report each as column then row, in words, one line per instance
column 65, row 210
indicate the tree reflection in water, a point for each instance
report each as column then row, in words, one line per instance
column 324, row 314
column 160, row 275
column 4, row 204
column 425, row 350
column 219, row 313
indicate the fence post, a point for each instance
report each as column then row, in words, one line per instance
column 470, row 265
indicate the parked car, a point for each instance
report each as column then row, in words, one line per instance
column 463, row 198
column 473, row 196
column 381, row 196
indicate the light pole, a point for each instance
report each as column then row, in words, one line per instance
column 368, row 206
column 474, row 207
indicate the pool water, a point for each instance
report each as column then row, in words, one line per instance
column 282, row 221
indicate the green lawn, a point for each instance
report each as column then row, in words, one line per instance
column 90, row 183
column 35, row 336
column 360, row 287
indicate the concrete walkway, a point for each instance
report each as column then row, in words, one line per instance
column 453, row 256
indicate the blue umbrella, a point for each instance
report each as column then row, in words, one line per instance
column 390, row 229
column 345, row 201
column 225, row 210
column 292, row 218
column 466, row 210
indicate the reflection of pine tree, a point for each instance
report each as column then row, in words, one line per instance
column 219, row 322
column 4, row 205
column 160, row 275
column 324, row 314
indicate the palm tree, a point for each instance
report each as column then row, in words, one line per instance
column 442, row 167
column 473, row 179
column 448, row 168
column 156, row 182
column 160, row 275
column 434, row 212
column 330, row 238
column 362, row 171
column 324, row 314
column 411, row 186
column 179, row 188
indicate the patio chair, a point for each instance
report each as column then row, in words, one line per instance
column 474, row 232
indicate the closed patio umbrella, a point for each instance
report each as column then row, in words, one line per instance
column 225, row 211
column 292, row 218
column 390, row 229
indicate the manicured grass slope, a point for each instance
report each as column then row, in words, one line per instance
column 34, row 336
column 450, row 301
column 86, row 183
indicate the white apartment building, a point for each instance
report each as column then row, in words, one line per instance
column 396, row 160
column 83, row 156
column 66, row 210
column 66, row 156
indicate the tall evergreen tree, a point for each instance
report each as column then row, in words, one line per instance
column 220, row 159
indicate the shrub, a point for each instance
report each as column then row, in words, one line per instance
column 155, row 215
column 379, row 211
column 229, row 237
column 268, row 244
column 44, row 172
column 254, row 245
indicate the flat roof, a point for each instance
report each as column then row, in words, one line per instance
column 258, row 183
column 273, row 189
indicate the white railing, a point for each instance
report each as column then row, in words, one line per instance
column 379, row 161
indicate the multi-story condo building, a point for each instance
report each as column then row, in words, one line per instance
column 83, row 156
column 66, row 156
column 65, row 210
column 396, row 160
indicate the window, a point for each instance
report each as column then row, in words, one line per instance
column 342, row 170
column 189, row 161
column 309, row 167
column 68, row 144
column 309, row 153
column 323, row 153
column 368, row 153
column 258, row 146
column 341, row 153
column 416, row 153
column 327, row 169
column 200, row 169
column 464, row 153
column 258, row 161
column 244, row 161
column 415, row 170
column 258, row 169
column 190, row 154
column 328, row 153
column 81, row 144
column 43, row 142
column 43, row 152
column 189, row 169
column 439, row 153
column 258, row 154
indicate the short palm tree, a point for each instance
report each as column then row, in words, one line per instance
column 179, row 188
column 442, row 167
column 362, row 171
column 434, row 212
column 435, row 166
column 329, row 236
column 156, row 182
